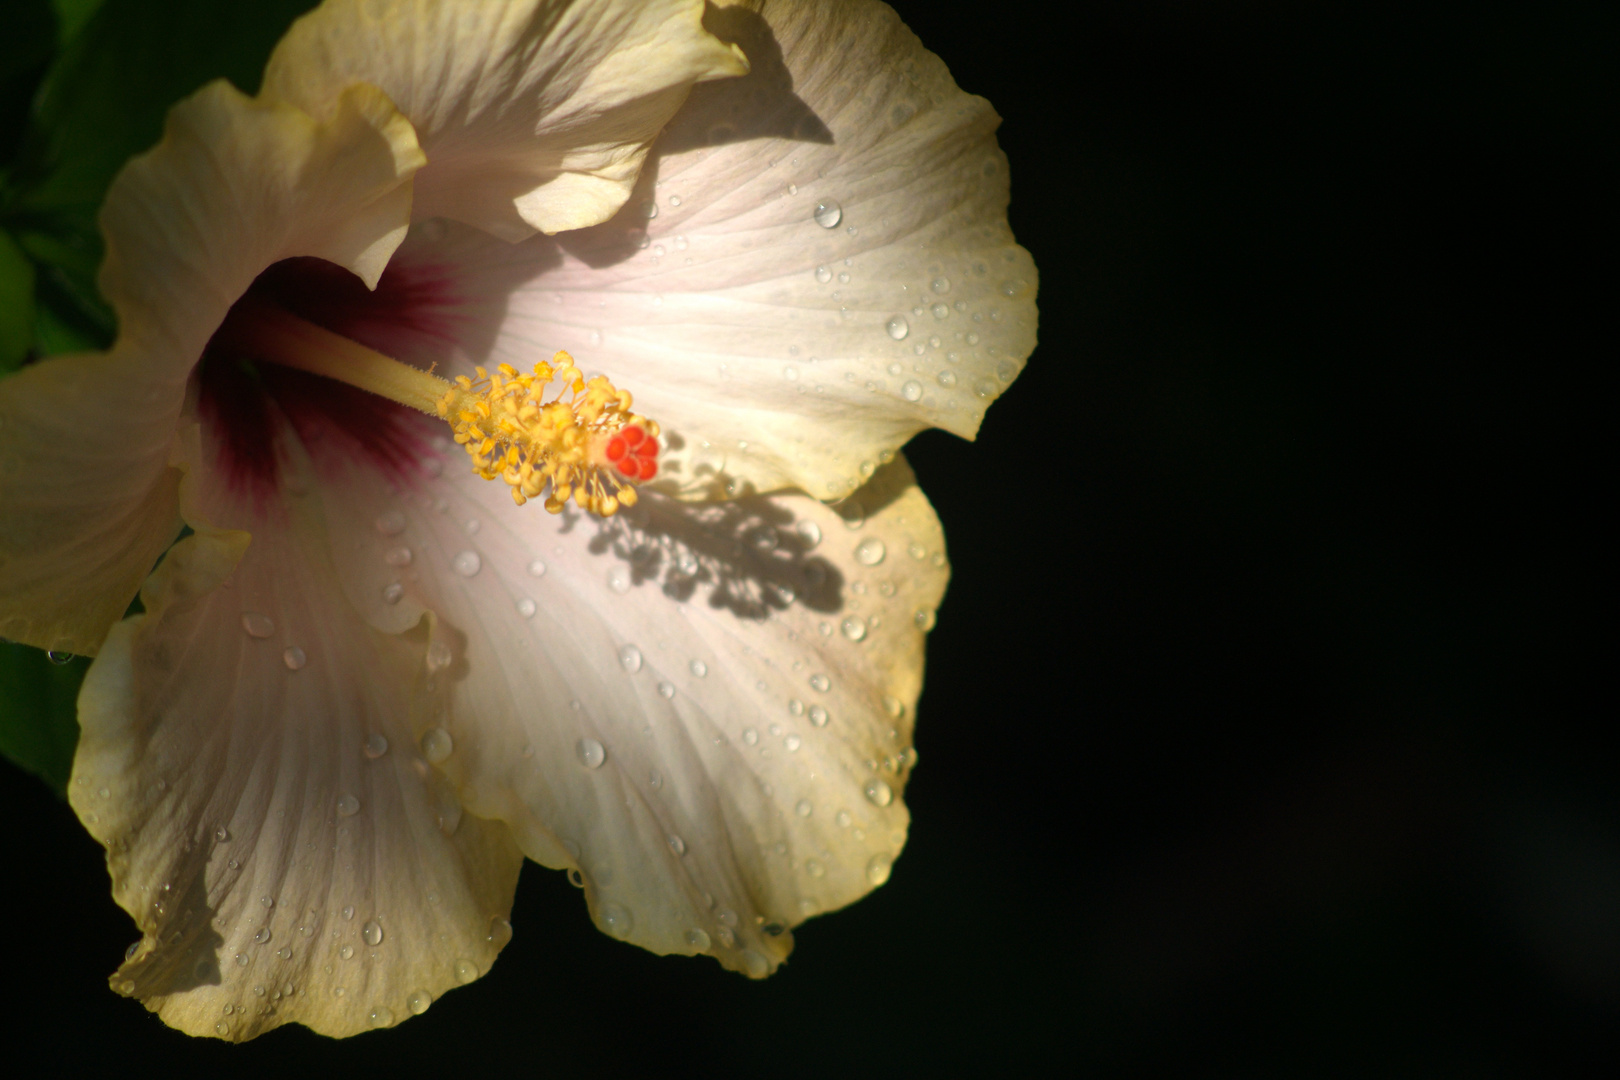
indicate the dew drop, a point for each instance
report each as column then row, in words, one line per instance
column 792, row 743
column 940, row 285
column 618, row 579
column 346, row 953
column 438, row 656
column 258, row 625
column 820, row 683
column 666, row 690
column 418, row 1001
column 854, row 629
column 382, row 1016
column 677, row 845
column 654, row 779
column 810, row 532
column 795, row 707
column 437, row 744
column 877, row 869
column 241, row 960
column 262, row 936
column 466, row 971
column 500, row 931
column 293, row 657
column 823, row 274
column 616, row 920
column 897, row 327
column 698, row 940
column 630, row 658
column 924, row 618
column 375, row 746
column 828, row 214
column 222, row 1028
column 754, row 964
column 372, row 932
column 221, row 835
column 393, row 593
column 348, row 806
column 526, row 608
column 912, row 390
column 804, row 809
column 879, row 793
column 400, row 556
column 698, row 668
column 818, row 716
column 348, row 912
column 591, row 753
column 870, row 551
column 57, row 657
column 537, row 568
column 467, row 563
column 576, row 879
column 391, row 524
column 750, row 737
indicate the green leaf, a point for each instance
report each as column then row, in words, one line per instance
column 105, row 98
column 38, row 711
column 16, row 303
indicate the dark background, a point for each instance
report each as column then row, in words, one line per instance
column 1261, row 733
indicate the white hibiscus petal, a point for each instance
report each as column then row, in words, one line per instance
column 536, row 114
column 704, row 709
column 249, row 759
column 777, row 345
column 89, row 498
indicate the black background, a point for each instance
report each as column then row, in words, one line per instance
column 1259, row 735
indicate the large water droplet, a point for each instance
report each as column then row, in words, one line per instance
column 437, row 744
column 877, row 869
column 466, row 971
column 828, row 213
column 879, row 793
column 372, row 932
column 616, row 920
column 854, row 629
column 391, row 524
column 897, row 327
column 818, row 716
column 418, row 1001
column 57, row 657
column 293, row 657
column 811, row 532
column 467, row 563
column 870, row 552
column 257, row 624
column 820, row 682
column 698, row 940
column 375, row 746
column 823, row 274
column 591, row 753
column 382, row 1016
column 911, row 390
column 348, row 806
column 630, row 658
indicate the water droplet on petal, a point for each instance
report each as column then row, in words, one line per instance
column 258, row 625
column 262, row 936
column 630, row 658
column 698, row 668
column 618, row 579
column 58, row 657
column 616, row 920
column 750, row 737
column 437, row 744
column 526, row 608
column 438, row 656
column 818, row 716
column 897, row 327
column 591, row 753
column 870, row 551
column 500, row 931
column 698, row 940
column 823, row 274
column 754, row 964
column 666, row 690
column 372, row 932
column 677, row 845
column 392, row 594
column 346, row 953
column 466, row 971
column 293, row 657
column 804, row 809
column 400, row 556
column 877, row 870
column 537, row 568
column 811, row 532
column 854, row 629
column 382, row 1016
column 222, row 835
column 391, row 524
column 375, row 746
column 467, row 563
column 940, row 285
column 828, row 213
column 911, row 390
column 879, row 793
column 418, row 1001
column 820, row 682
column 792, row 744
column 348, row 806
column 924, row 618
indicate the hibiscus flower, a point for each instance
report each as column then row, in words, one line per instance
column 714, row 266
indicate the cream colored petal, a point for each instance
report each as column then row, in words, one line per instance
column 706, row 709
column 235, row 185
column 535, row 114
column 773, row 349
column 87, row 499
column 249, row 760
